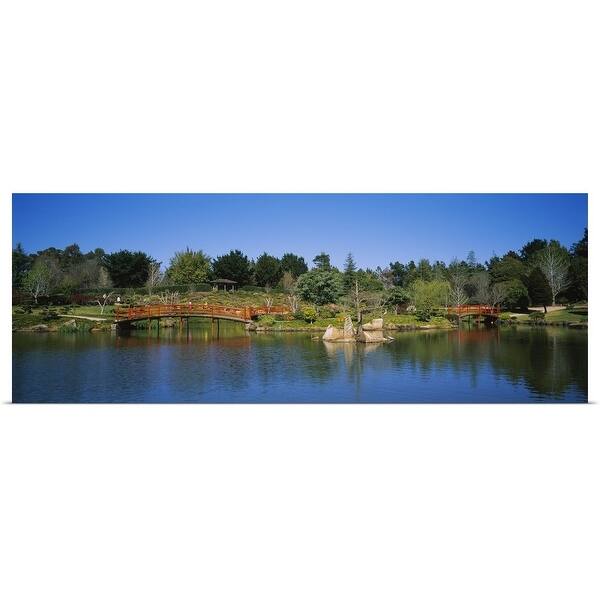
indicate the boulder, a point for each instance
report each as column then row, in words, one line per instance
column 374, row 325
column 335, row 334
column 368, row 337
column 40, row 328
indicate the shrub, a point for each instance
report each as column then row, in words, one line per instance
column 537, row 317
column 309, row 314
column 266, row 320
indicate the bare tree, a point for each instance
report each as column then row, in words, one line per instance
column 102, row 303
column 554, row 264
column 497, row 294
column 155, row 276
column 386, row 277
column 457, row 295
column 293, row 302
column 169, row 298
column 268, row 303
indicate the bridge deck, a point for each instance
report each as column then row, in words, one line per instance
column 158, row 311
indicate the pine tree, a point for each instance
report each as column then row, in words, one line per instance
column 539, row 289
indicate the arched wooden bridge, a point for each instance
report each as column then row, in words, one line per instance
column 475, row 310
column 125, row 315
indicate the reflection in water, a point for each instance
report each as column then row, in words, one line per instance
column 204, row 364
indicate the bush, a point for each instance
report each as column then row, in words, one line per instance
column 537, row 317
column 266, row 320
column 252, row 288
column 309, row 314
column 327, row 313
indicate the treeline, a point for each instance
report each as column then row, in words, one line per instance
column 540, row 273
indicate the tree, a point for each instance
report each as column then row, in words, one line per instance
column 457, row 294
column 471, row 260
column 398, row 271
column 538, row 288
column 155, row 276
column 578, row 270
column 322, row 262
column 103, row 301
column 580, row 248
column 426, row 296
column 21, row 263
column 386, row 276
column 509, row 267
column 320, row 286
column 349, row 272
column 553, row 261
column 189, row 267
column 424, row 270
column 529, row 250
column 267, row 270
column 126, row 268
column 515, row 294
column 288, row 281
column 480, row 286
column 38, row 280
column 395, row 297
column 294, row 264
column 234, row 266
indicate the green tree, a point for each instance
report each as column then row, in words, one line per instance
column 539, row 289
column 293, row 264
column 515, row 294
column 189, row 267
column 398, row 271
column 21, row 263
column 427, row 296
column 41, row 278
column 322, row 262
column 424, row 270
column 530, row 249
column 396, row 297
column 320, row 286
column 349, row 272
column 234, row 266
column 509, row 267
column 267, row 270
column 578, row 270
column 126, row 268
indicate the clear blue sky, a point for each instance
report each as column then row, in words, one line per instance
column 376, row 228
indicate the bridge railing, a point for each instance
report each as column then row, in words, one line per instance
column 152, row 311
column 477, row 309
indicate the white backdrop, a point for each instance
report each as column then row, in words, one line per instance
column 298, row 502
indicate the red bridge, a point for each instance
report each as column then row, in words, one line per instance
column 477, row 310
column 212, row 311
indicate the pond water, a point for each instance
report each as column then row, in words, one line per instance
column 477, row 365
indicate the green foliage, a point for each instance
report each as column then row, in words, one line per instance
column 529, row 250
column 320, row 286
column 127, row 269
column 267, row 270
column 322, row 262
column 296, row 265
column 507, row 268
column 349, row 272
column 309, row 314
column 266, row 320
column 427, row 296
column 537, row 316
column 21, row 263
column 234, row 266
column 515, row 294
column 189, row 267
column 396, row 296
column 538, row 288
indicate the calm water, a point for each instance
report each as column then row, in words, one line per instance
column 481, row 365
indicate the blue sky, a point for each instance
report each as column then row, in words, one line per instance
column 376, row 228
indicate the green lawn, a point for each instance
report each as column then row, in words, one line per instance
column 573, row 315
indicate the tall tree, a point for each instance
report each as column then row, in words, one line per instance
column 530, row 249
column 296, row 265
column 126, row 268
column 349, row 272
column 234, row 266
column 189, row 267
column 553, row 261
column 322, row 262
column 267, row 270
column 539, row 289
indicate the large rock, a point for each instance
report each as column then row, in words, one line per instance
column 374, row 325
column 372, row 336
column 335, row 334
